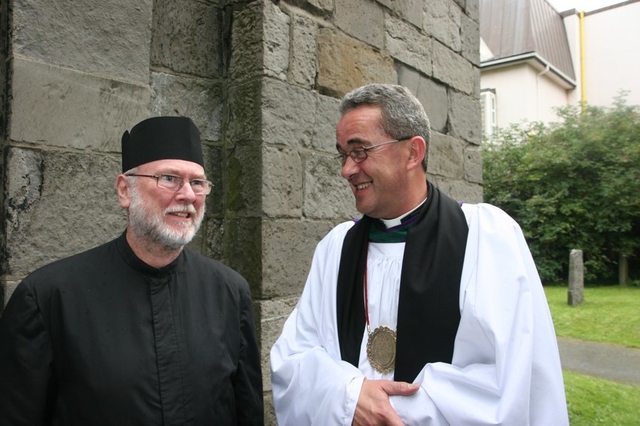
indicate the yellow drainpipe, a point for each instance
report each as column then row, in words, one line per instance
column 583, row 84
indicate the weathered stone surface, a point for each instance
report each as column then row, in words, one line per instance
column 244, row 111
column 276, row 41
column 470, row 35
column 442, row 20
column 345, row 64
column 464, row 117
column 58, row 204
column 303, row 61
column 432, row 96
column 282, row 182
column 244, row 179
column 327, row 194
column 197, row 98
column 575, row 294
column 446, row 156
column 324, row 129
column 186, row 37
column 247, row 47
column 472, row 7
column 288, row 114
column 452, row 68
column 473, row 164
column 59, row 107
column 458, row 189
column 242, row 248
column 407, row 44
column 273, row 314
column 320, row 5
column 104, row 37
column 409, row 10
column 361, row 19
column 287, row 249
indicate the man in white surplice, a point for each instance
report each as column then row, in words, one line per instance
column 425, row 311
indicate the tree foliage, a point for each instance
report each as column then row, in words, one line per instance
column 571, row 185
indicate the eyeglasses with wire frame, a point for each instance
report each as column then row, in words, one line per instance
column 174, row 183
column 360, row 154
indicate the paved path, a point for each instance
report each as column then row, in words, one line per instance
column 611, row 362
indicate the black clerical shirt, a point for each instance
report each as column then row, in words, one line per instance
column 101, row 338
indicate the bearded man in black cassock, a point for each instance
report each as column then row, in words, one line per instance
column 140, row 330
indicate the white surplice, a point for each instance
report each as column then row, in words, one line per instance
column 505, row 368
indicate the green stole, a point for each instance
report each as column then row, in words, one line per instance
column 428, row 307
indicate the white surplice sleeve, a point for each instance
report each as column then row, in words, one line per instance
column 506, row 366
column 311, row 384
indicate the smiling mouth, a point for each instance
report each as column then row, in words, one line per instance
column 361, row 186
column 183, row 215
column 184, row 212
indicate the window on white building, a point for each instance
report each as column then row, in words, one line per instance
column 488, row 112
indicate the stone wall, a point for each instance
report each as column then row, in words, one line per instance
column 262, row 81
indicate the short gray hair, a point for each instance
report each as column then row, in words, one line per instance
column 402, row 113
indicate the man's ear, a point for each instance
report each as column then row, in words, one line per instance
column 418, row 152
column 123, row 189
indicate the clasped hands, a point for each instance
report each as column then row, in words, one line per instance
column 373, row 406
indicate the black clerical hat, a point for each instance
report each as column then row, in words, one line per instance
column 161, row 138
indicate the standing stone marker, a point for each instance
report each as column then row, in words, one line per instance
column 575, row 295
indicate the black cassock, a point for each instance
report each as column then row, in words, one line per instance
column 101, row 338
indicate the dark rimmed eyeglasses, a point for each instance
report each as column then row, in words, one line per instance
column 174, row 183
column 360, row 154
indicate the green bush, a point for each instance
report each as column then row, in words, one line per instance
column 571, row 185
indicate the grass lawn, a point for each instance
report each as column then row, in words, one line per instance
column 594, row 401
column 610, row 315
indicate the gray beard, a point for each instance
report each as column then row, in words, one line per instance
column 150, row 227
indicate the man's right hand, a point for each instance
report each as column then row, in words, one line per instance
column 373, row 406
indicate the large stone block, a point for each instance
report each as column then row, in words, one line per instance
column 464, row 117
column 345, row 64
column 187, row 37
column 244, row 175
column 470, row 36
column 288, row 114
column 473, row 164
column 453, row 69
column 409, row 10
column 276, row 41
column 104, row 37
column 443, row 20
column 446, row 156
column 472, row 7
column 303, row 61
column 362, row 19
column 432, row 96
column 273, row 314
column 247, row 45
column 327, row 194
column 327, row 116
column 282, row 182
column 60, row 107
column 409, row 45
column 58, row 204
column 198, row 98
column 244, row 111
column 459, row 190
column 287, row 249
column 242, row 249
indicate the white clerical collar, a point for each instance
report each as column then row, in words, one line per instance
column 390, row 223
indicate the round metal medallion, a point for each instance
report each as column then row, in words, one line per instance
column 381, row 349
